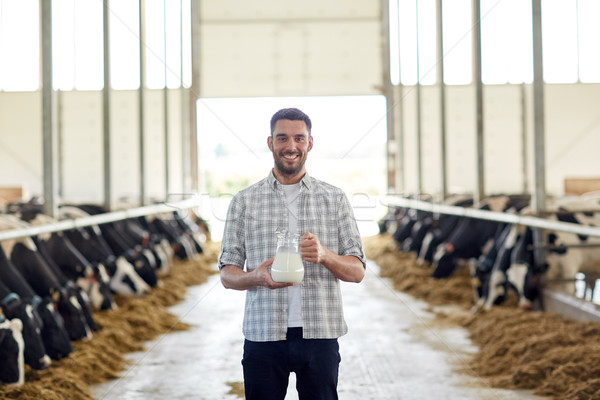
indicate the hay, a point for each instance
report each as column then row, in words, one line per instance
column 124, row 330
column 551, row 355
column 237, row 389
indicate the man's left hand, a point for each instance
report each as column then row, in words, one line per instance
column 311, row 249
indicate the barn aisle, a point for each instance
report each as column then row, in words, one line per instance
column 394, row 350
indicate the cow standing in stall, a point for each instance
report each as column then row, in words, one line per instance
column 572, row 253
column 473, row 237
column 566, row 255
column 123, row 278
column 23, row 253
column 71, row 267
column 426, row 234
column 43, row 320
column 12, row 362
column 122, row 244
column 183, row 235
column 509, row 265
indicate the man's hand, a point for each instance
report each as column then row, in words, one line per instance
column 233, row 277
column 262, row 276
column 345, row 268
column 311, row 249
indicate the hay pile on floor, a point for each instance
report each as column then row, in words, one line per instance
column 121, row 331
column 552, row 355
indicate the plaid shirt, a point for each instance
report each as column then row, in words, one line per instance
column 249, row 238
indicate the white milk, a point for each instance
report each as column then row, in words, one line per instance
column 287, row 267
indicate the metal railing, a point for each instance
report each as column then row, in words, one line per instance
column 525, row 220
column 97, row 219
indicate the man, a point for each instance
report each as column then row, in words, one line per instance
column 291, row 327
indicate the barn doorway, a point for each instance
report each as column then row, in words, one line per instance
column 349, row 148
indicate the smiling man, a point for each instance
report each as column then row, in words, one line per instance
column 291, row 327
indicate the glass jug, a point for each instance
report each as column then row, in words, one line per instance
column 287, row 266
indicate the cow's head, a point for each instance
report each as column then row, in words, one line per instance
column 35, row 351
column 525, row 279
column 12, row 367
column 481, row 270
column 124, row 279
column 142, row 266
column 54, row 334
column 71, row 310
column 444, row 261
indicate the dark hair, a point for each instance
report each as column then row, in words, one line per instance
column 292, row 114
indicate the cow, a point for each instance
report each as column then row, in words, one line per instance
column 509, row 265
column 473, row 237
column 122, row 244
column 13, row 307
column 571, row 253
column 387, row 223
column 564, row 256
column 154, row 245
column 45, row 317
column 123, row 278
column 442, row 227
column 191, row 229
column 72, row 268
column 183, row 235
column 426, row 226
column 12, row 361
column 24, row 254
column 404, row 225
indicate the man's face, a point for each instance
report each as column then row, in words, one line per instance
column 290, row 144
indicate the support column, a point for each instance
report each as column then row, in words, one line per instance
column 49, row 140
column 479, row 192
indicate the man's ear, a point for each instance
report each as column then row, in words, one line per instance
column 310, row 143
column 270, row 143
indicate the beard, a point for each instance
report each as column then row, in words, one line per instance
column 289, row 170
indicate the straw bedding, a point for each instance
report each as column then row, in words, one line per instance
column 121, row 331
column 551, row 355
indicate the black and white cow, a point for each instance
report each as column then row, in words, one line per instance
column 571, row 255
column 72, row 268
column 565, row 256
column 46, row 317
column 13, row 307
column 473, row 237
column 428, row 229
column 509, row 265
column 123, row 244
column 123, row 278
column 182, row 234
column 12, row 347
column 23, row 253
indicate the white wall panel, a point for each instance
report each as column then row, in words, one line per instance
column 125, row 145
column 233, row 10
column 82, row 145
column 573, row 132
column 21, row 140
column 277, row 48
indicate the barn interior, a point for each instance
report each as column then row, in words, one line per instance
column 149, row 108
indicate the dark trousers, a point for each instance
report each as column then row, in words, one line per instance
column 267, row 367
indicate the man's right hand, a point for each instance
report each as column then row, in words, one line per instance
column 263, row 277
column 233, row 277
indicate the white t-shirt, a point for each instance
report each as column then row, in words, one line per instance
column 294, row 292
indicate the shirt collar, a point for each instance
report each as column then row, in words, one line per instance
column 306, row 180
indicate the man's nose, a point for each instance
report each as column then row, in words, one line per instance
column 291, row 146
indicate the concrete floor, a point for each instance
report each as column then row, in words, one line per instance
column 392, row 351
